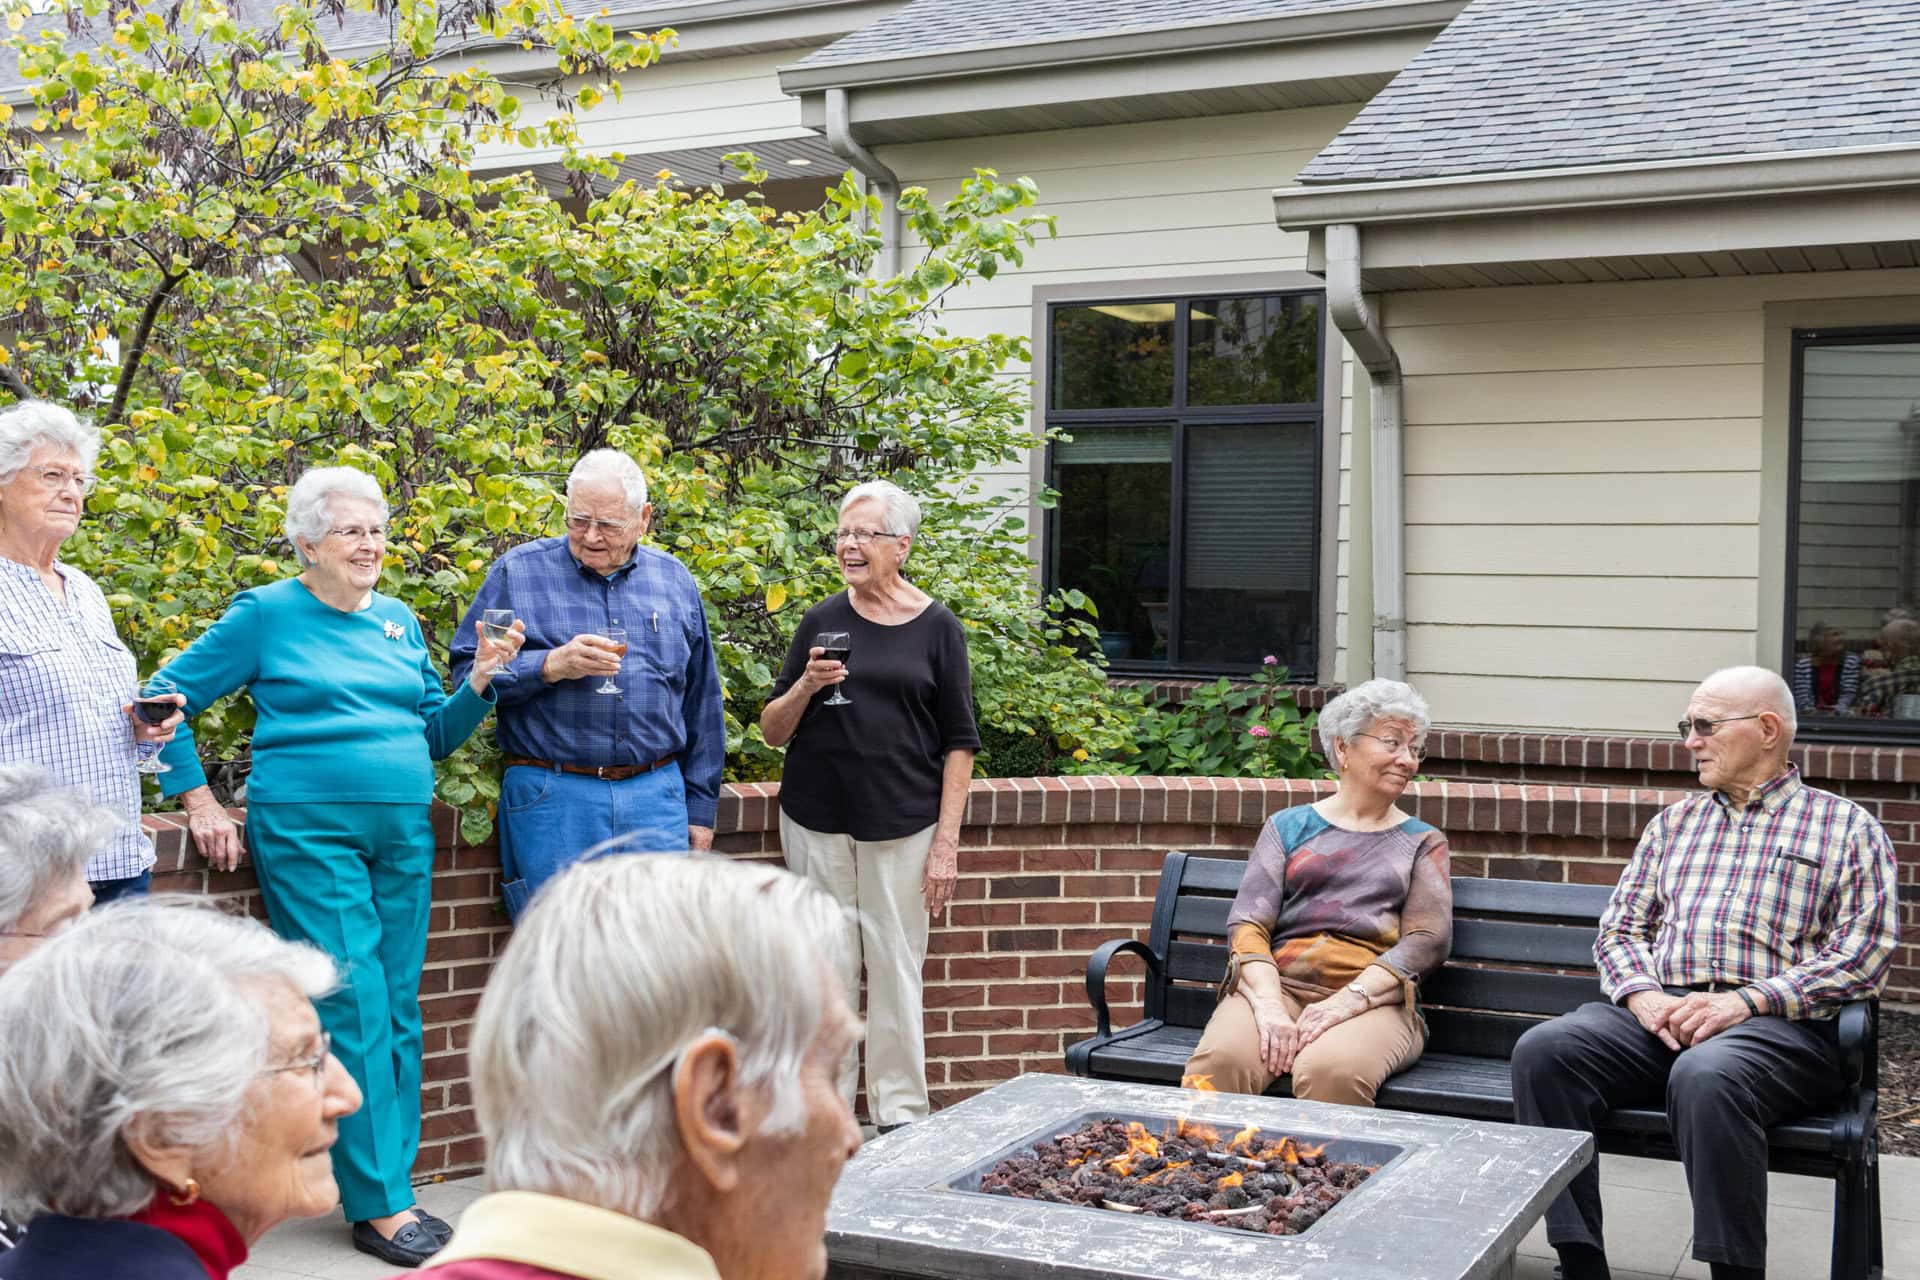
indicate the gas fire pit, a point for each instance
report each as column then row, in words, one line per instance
column 1419, row 1197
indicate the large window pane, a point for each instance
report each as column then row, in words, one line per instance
column 1249, row 546
column 1253, row 350
column 1115, row 488
column 1857, row 579
column 1113, row 356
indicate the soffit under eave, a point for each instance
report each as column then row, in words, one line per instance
column 1751, row 235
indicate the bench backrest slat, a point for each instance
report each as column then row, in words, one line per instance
column 1522, row 950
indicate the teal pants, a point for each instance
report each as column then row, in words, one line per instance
column 355, row 880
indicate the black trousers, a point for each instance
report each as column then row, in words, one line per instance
column 1721, row 1096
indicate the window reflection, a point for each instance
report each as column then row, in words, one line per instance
column 1113, row 356
column 1263, row 350
column 1115, row 488
column 1856, row 606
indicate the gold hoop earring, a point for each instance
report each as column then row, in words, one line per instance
column 190, row 1194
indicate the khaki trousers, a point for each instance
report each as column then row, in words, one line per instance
column 879, row 883
column 1346, row 1064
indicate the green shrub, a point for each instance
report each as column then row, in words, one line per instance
column 1255, row 730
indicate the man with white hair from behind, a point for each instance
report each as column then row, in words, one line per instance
column 655, row 1068
column 1749, row 913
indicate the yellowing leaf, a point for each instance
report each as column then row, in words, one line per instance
column 776, row 597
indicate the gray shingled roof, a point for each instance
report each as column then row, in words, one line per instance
column 946, row 26
column 1534, row 84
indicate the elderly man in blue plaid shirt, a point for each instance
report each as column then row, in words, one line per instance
column 609, row 719
column 1748, row 914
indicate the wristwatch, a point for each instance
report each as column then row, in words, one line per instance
column 1360, row 991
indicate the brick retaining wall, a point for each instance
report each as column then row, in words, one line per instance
column 1050, row 868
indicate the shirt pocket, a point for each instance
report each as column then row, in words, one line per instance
column 1786, row 906
column 665, row 644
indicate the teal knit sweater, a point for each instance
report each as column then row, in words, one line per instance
column 347, row 706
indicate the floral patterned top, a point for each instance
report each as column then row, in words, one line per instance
column 1326, row 903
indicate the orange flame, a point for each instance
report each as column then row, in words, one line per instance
column 1231, row 1180
column 1243, row 1141
column 1178, row 1164
column 1140, row 1144
column 1184, row 1128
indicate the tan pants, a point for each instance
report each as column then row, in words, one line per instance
column 1346, row 1064
column 879, row 882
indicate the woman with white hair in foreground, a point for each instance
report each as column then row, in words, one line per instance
column 1346, row 905
column 47, row 833
column 166, row 1094
column 655, row 1074
column 349, row 716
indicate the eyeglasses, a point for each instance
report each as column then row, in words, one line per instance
column 611, row 528
column 1418, row 750
column 316, row 1066
column 861, row 537
column 58, row 478
column 354, row 533
column 1705, row 727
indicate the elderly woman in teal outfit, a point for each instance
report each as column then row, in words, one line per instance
column 349, row 717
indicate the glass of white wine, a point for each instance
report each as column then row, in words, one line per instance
column 619, row 637
column 496, row 625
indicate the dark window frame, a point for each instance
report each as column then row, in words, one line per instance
column 1179, row 417
column 1829, row 729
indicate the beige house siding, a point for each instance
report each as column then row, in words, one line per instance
column 1138, row 207
column 1594, row 486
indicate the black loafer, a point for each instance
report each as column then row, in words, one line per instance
column 411, row 1245
column 438, row 1228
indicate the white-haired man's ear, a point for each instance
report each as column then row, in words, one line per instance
column 716, row 1113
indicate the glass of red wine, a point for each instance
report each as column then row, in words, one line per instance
column 154, row 705
column 835, row 646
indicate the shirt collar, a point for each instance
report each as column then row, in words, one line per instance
column 1772, row 793
column 573, row 1238
column 595, row 574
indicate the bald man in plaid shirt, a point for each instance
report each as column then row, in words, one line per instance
column 1749, row 914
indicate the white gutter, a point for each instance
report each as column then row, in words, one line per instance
column 1362, row 328
column 1744, row 177
column 840, row 138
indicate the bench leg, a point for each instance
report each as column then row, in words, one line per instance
column 1856, row 1223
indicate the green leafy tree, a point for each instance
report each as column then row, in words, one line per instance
column 246, row 256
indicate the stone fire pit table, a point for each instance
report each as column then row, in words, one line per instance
column 1452, row 1198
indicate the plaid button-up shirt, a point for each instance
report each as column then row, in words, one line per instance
column 64, row 676
column 669, row 682
column 1791, row 899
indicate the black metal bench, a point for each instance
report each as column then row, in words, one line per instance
column 1522, row 951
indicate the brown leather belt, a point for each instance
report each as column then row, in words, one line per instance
column 605, row 772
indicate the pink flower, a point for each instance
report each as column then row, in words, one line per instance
column 1270, row 661
column 1261, row 731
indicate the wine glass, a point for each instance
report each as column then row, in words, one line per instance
column 835, row 647
column 154, row 705
column 496, row 625
column 619, row 637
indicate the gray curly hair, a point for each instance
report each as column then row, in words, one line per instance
column 47, row 833
column 308, row 513
column 1362, row 705
column 148, row 1017
column 32, row 423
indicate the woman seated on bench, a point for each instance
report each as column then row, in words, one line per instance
column 1345, row 906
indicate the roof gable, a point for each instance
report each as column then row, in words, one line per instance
column 1516, row 85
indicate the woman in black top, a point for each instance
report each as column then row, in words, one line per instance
column 874, row 790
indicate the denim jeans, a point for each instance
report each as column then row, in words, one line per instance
column 549, row 820
column 105, row 891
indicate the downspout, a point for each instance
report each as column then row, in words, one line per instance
column 1361, row 327
column 840, row 139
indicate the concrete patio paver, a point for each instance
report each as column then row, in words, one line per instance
column 1646, row 1207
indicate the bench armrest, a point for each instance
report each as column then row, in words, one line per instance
column 1858, row 1033
column 1097, row 978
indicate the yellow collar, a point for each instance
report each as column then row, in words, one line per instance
column 573, row 1238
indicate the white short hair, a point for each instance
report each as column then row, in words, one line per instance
column 147, row 1013
column 902, row 508
column 47, row 833
column 1759, row 688
column 1359, row 707
column 30, row 424
column 621, row 963
column 611, row 467
column 309, row 510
